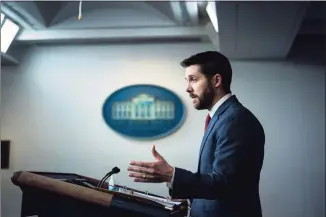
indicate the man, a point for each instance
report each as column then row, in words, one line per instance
column 226, row 183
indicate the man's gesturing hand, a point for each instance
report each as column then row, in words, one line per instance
column 153, row 172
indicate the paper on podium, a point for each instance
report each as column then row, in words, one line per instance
column 167, row 203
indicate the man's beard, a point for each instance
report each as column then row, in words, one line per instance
column 206, row 99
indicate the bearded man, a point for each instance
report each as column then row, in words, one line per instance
column 226, row 183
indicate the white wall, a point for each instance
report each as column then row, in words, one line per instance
column 51, row 111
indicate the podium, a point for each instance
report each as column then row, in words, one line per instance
column 47, row 194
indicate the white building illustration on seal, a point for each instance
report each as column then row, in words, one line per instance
column 143, row 107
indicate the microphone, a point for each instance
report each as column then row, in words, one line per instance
column 114, row 170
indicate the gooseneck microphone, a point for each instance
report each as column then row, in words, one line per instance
column 115, row 170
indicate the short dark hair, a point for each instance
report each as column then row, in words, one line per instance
column 212, row 63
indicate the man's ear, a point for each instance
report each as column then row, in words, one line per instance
column 217, row 80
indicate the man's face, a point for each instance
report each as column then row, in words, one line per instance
column 199, row 88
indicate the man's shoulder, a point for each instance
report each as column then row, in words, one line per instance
column 241, row 122
column 235, row 111
column 238, row 113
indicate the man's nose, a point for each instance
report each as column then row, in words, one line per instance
column 189, row 89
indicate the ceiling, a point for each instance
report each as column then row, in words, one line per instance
column 247, row 30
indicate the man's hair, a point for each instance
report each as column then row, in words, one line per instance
column 212, row 63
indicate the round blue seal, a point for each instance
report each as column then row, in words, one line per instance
column 144, row 111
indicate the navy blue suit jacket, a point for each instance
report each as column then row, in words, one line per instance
column 230, row 160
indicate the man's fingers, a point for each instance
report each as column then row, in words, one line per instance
column 142, row 176
column 147, row 178
column 142, row 164
column 142, row 170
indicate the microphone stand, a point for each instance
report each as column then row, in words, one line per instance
column 104, row 179
column 113, row 171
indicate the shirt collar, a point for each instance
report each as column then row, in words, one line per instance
column 218, row 104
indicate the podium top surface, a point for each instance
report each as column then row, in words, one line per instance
column 74, row 176
column 84, row 188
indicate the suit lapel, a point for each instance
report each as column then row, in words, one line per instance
column 213, row 121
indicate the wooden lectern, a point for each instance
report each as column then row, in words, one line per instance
column 71, row 195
